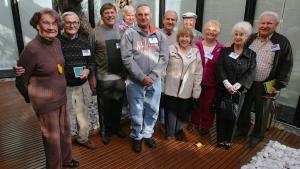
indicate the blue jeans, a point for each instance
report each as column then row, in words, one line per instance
column 144, row 105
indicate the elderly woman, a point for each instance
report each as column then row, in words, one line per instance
column 235, row 74
column 128, row 18
column 210, row 49
column 182, row 82
column 44, row 85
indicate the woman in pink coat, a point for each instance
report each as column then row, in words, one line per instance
column 210, row 50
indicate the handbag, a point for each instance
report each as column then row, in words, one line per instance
column 229, row 107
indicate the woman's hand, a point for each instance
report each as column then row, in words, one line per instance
column 231, row 90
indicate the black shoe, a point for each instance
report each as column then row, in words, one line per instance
column 120, row 133
column 203, row 131
column 254, row 141
column 106, row 139
column 190, row 127
column 220, row 144
column 227, row 145
column 179, row 135
column 71, row 164
column 136, row 145
column 150, row 142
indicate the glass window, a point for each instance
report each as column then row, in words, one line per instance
column 8, row 43
column 290, row 27
column 227, row 13
column 85, row 8
column 181, row 7
column 27, row 9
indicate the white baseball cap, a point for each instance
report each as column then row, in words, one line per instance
column 189, row 15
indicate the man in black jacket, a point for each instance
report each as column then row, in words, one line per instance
column 274, row 63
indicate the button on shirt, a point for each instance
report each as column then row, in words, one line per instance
column 264, row 58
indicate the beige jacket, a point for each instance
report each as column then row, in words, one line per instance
column 183, row 74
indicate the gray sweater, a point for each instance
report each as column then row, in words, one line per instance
column 144, row 55
column 101, row 34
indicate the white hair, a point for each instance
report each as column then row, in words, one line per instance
column 270, row 13
column 69, row 13
column 128, row 8
column 242, row 26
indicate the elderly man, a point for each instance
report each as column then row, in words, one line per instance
column 189, row 21
column 144, row 52
column 110, row 79
column 79, row 62
column 169, row 22
column 274, row 65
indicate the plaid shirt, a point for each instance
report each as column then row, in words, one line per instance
column 264, row 58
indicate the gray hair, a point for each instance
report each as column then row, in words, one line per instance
column 242, row 26
column 69, row 13
column 171, row 11
column 270, row 13
column 128, row 8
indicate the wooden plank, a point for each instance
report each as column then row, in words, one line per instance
column 21, row 144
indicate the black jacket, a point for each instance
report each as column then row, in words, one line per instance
column 241, row 70
column 283, row 61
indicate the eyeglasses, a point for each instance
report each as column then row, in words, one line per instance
column 143, row 15
column 76, row 23
column 48, row 24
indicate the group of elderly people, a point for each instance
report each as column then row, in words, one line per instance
column 198, row 78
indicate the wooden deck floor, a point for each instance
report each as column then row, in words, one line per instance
column 21, row 144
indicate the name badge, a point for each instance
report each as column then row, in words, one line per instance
column 209, row 56
column 233, row 55
column 118, row 45
column 275, row 47
column 153, row 40
column 86, row 52
column 189, row 55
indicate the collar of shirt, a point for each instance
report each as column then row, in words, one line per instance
column 269, row 37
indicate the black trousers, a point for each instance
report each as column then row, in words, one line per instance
column 110, row 104
column 254, row 96
column 225, row 129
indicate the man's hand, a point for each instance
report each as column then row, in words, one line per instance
column 274, row 91
column 147, row 81
column 18, row 70
column 84, row 74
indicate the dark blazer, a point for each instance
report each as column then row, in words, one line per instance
column 283, row 61
column 241, row 70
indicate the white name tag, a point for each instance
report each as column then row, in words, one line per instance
column 86, row 52
column 189, row 55
column 153, row 40
column 275, row 47
column 209, row 56
column 118, row 45
column 233, row 55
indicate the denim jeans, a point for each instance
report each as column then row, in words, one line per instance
column 144, row 105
